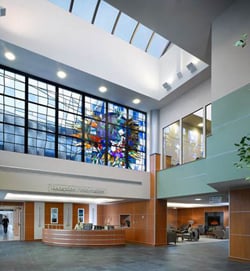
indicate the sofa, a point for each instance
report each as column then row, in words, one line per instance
column 219, row 232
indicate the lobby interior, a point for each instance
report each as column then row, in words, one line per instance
column 162, row 196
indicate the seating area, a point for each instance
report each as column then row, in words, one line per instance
column 218, row 232
column 180, row 234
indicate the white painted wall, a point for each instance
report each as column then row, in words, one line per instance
column 93, row 214
column 67, row 216
column 230, row 64
column 39, row 214
column 189, row 102
column 25, row 172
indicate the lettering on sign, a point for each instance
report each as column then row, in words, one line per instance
column 74, row 189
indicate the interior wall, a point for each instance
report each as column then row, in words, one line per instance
column 141, row 220
column 239, row 224
column 198, row 215
column 29, row 218
column 75, row 213
column 230, row 64
column 48, row 206
column 26, row 172
column 172, row 216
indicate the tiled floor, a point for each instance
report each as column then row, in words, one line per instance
column 9, row 236
column 212, row 256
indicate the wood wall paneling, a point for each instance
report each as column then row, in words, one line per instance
column 29, row 216
column 239, row 225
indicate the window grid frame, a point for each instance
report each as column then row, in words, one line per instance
column 56, row 109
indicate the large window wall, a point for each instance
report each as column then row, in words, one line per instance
column 185, row 140
column 41, row 118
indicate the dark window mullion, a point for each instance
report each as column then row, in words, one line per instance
column 83, row 128
column 56, row 121
column 95, row 12
column 26, row 114
column 133, row 35
column 106, row 135
column 150, row 41
column 126, row 143
column 71, row 5
column 165, row 49
column 116, row 21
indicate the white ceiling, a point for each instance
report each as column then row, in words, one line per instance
column 54, row 39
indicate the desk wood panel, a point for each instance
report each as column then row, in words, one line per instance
column 74, row 238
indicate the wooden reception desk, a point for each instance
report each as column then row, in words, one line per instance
column 80, row 238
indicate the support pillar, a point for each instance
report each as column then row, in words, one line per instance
column 158, row 206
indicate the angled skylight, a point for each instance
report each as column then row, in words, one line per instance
column 110, row 19
column 65, row 4
column 106, row 16
column 84, row 9
column 141, row 37
column 125, row 22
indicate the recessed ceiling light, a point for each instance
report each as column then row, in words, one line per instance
column 10, row 56
column 61, row 74
column 136, row 101
column 200, row 124
column 102, row 89
column 198, row 199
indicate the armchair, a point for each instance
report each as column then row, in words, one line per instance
column 171, row 237
column 193, row 235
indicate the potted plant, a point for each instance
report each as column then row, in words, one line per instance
column 244, row 153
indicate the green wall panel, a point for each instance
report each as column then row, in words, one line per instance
column 230, row 121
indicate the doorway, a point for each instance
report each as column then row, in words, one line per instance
column 14, row 215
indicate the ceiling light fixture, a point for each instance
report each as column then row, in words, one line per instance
column 2, row 11
column 53, row 198
column 179, row 75
column 61, row 74
column 102, row 89
column 167, row 86
column 191, row 67
column 136, row 101
column 10, row 56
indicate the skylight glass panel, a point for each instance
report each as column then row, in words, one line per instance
column 157, row 45
column 106, row 16
column 84, row 9
column 142, row 37
column 125, row 27
column 62, row 3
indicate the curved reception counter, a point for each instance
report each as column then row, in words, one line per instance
column 81, row 238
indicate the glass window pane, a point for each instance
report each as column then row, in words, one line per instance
column 171, row 145
column 142, row 37
column 41, row 143
column 62, row 3
column 192, row 136
column 70, row 101
column 94, row 131
column 94, row 152
column 95, row 108
column 125, row 27
column 117, row 114
column 209, row 120
column 157, row 45
column 138, row 162
column 84, row 9
column 106, row 16
column 69, row 148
